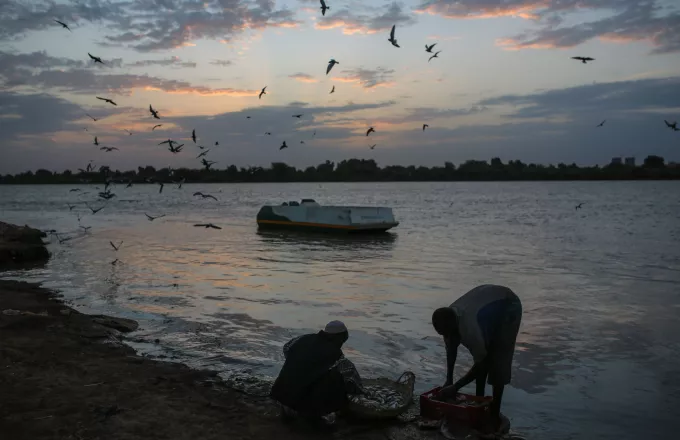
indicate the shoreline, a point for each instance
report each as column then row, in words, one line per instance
column 68, row 375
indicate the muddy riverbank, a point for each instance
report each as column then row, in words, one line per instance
column 67, row 375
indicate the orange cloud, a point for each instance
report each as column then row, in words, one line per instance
column 512, row 44
column 525, row 11
column 347, row 27
column 303, row 77
column 202, row 91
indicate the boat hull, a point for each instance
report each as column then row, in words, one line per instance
column 335, row 219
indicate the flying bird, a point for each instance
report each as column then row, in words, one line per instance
column 584, row 60
column 372, row 147
column 160, row 190
column 302, row 142
column 262, row 92
column 85, row 228
column 64, row 25
column 268, row 133
column 207, row 163
column 114, row 246
column 392, row 39
column 108, row 149
column 331, row 63
column 129, row 132
column 180, row 183
column 75, row 189
column 283, row 146
column 70, row 207
column 113, row 263
column 193, row 135
column 96, row 142
column 154, row 113
column 129, row 185
column 579, row 206
column 672, row 126
column 425, row 126
column 96, row 59
column 107, row 100
column 169, row 142
column 429, row 48
column 93, row 118
column 176, row 149
column 205, row 196
column 297, row 116
column 153, row 218
column 94, row 211
column 434, row 56
column 206, row 225
column 332, row 90
column 323, row 7
column 601, row 123
column 370, row 130
column 247, row 117
column 203, row 153
column 156, row 126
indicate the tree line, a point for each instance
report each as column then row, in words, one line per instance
column 361, row 170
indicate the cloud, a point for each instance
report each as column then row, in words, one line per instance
column 616, row 99
column 21, row 70
column 173, row 61
column 368, row 78
column 222, row 63
column 622, row 21
column 303, row 77
column 143, row 25
column 37, row 113
column 373, row 20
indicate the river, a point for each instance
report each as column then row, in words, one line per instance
column 597, row 355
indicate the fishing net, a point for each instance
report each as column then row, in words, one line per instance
column 385, row 398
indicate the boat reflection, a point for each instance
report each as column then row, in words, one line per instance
column 341, row 242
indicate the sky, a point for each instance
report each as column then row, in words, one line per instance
column 504, row 84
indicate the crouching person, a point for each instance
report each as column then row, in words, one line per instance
column 316, row 378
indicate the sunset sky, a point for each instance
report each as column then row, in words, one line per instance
column 503, row 85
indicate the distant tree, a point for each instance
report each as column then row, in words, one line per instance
column 654, row 162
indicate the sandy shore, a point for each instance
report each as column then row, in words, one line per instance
column 67, row 375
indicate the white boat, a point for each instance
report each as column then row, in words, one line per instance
column 309, row 215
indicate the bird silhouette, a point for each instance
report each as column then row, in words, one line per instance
column 85, row 228
column 93, row 118
column 370, row 130
column 262, row 92
column 425, row 126
column 156, row 126
column 429, row 48
column 206, row 225
column 372, row 147
column 128, row 131
column 207, row 163
column 392, row 39
column 283, row 146
column 434, row 56
column 579, row 206
column 95, row 59
column 193, row 135
column 96, row 142
column 70, row 207
column 160, row 189
column 268, row 133
column 94, row 210
column 114, row 246
column 169, row 142
column 205, row 196
column 203, row 153
column 297, row 116
column 601, row 123
column 323, row 7
column 151, row 218
column 331, row 63
column 107, row 100
column 302, row 142
column 75, row 189
column 108, row 149
column 671, row 125
column 332, row 90
column 584, row 60
column 175, row 150
column 154, row 113
column 64, row 25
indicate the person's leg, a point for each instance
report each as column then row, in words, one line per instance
column 495, row 410
column 481, row 382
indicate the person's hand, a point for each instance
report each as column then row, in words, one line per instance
column 447, row 392
column 448, row 383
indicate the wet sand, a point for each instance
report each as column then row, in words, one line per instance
column 67, row 375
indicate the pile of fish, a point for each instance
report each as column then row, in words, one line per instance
column 461, row 400
column 248, row 383
column 379, row 397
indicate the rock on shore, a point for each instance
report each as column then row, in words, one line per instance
column 21, row 245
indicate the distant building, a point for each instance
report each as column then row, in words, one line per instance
column 616, row 161
column 629, row 161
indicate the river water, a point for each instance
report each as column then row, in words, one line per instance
column 597, row 355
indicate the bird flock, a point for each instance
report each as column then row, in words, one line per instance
column 175, row 147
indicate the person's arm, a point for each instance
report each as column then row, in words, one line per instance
column 350, row 375
column 471, row 375
column 451, row 354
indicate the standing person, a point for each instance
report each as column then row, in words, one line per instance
column 486, row 321
column 316, row 377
